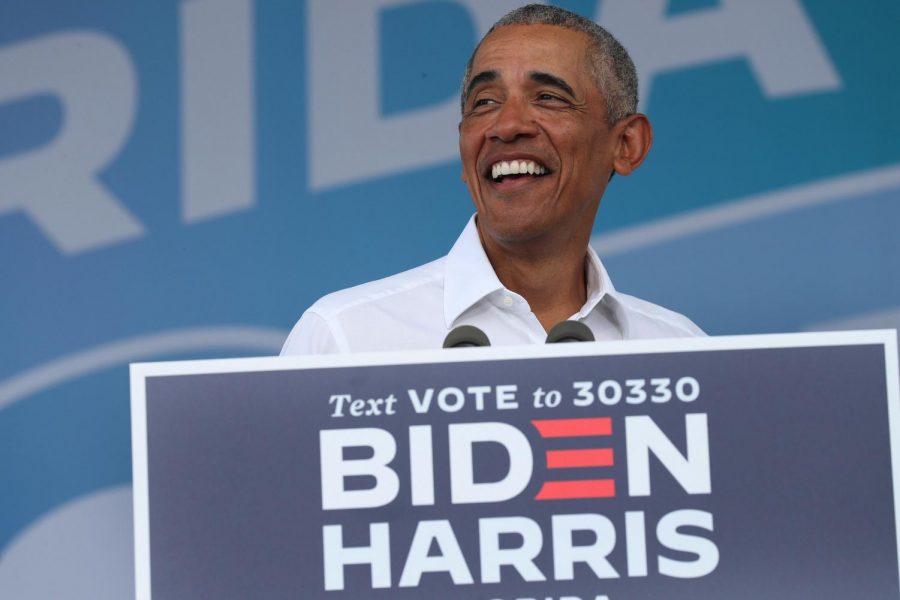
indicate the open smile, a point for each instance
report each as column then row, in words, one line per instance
column 516, row 169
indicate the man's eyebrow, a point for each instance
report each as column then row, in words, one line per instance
column 483, row 77
column 553, row 80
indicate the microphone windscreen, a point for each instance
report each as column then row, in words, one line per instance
column 570, row 331
column 466, row 336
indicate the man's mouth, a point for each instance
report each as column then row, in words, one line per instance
column 515, row 169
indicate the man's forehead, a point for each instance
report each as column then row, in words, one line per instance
column 547, row 48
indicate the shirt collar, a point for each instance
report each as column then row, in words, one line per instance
column 470, row 277
column 599, row 285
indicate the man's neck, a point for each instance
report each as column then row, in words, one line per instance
column 552, row 280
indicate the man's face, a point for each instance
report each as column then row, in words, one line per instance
column 532, row 100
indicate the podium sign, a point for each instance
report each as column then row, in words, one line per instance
column 734, row 467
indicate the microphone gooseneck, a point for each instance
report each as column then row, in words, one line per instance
column 466, row 336
column 570, row 331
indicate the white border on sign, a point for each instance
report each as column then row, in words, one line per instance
column 892, row 374
column 140, row 483
column 141, row 371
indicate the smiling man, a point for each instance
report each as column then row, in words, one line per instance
column 549, row 103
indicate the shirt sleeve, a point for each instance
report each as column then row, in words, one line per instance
column 691, row 329
column 311, row 335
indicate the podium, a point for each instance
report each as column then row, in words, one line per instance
column 731, row 467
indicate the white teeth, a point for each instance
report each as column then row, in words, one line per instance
column 516, row 167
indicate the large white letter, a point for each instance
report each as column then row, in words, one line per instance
column 463, row 489
column 707, row 552
column 377, row 555
column 449, row 560
column 521, row 557
column 421, row 466
column 642, row 436
column 636, row 543
column 566, row 553
column 335, row 468
column 217, row 108
column 775, row 37
column 56, row 184
column 349, row 140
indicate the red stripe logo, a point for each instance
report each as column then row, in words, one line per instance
column 577, row 458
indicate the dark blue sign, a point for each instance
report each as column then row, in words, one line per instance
column 698, row 470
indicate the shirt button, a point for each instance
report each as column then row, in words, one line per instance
column 508, row 301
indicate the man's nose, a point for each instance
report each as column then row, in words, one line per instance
column 512, row 120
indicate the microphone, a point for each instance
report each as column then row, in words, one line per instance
column 570, row 331
column 466, row 336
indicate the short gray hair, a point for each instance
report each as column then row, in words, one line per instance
column 611, row 67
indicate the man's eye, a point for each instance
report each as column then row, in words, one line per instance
column 483, row 102
column 549, row 97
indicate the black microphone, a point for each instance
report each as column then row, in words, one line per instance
column 466, row 336
column 570, row 331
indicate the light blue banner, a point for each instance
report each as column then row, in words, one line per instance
column 182, row 179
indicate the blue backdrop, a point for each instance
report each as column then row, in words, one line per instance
column 182, row 178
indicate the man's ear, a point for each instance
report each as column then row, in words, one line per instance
column 634, row 136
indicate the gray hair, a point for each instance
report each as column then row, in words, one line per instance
column 611, row 68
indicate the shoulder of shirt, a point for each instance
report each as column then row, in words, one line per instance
column 677, row 323
column 333, row 304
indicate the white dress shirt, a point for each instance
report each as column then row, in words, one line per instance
column 417, row 308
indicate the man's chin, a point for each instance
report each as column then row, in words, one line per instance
column 510, row 232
